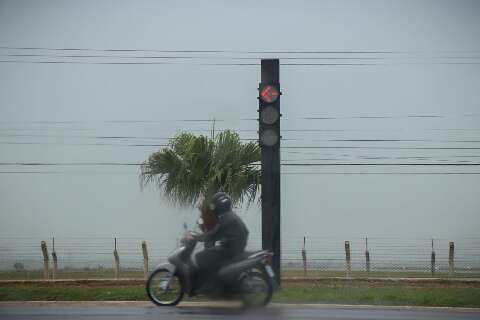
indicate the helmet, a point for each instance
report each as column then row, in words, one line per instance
column 220, row 203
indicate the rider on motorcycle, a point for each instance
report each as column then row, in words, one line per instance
column 230, row 232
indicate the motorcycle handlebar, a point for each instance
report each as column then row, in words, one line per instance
column 189, row 236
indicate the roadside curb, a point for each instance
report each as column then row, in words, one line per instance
column 230, row 304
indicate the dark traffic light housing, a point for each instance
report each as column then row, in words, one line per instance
column 269, row 114
column 269, row 138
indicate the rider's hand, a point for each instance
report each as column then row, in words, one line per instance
column 191, row 235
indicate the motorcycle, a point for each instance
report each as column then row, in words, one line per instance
column 248, row 276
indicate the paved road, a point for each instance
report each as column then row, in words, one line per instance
column 144, row 311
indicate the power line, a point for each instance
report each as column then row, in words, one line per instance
column 120, row 137
column 220, row 57
column 381, row 140
column 201, row 51
column 380, row 148
column 68, row 172
column 239, row 51
column 51, row 62
column 243, row 139
column 372, row 130
column 140, row 121
column 380, row 173
column 283, row 164
column 283, row 173
column 209, row 120
column 369, row 117
column 83, row 144
column 69, row 164
column 380, row 164
column 126, row 63
column 85, row 137
column 283, row 147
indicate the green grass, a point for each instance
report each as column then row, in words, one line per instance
column 67, row 274
column 354, row 292
column 35, row 292
column 393, row 295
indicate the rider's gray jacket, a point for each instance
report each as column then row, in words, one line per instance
column 230, row 231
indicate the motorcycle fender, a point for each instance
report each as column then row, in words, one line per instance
column 170, row 267
column 233, row 269
column 181, row 271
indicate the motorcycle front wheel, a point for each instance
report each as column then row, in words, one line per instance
column 164, row 288
column 256, row 289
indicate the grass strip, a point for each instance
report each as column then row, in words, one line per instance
column 350, row 293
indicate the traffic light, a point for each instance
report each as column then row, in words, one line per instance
column 269, row 103
column 269, row 139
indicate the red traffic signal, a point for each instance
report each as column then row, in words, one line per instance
column 269, row 94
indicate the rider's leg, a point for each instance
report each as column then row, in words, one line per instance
column 209, row 262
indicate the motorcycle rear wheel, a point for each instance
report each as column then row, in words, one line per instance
column 257, row 289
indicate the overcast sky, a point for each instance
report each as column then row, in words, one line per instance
column 429, row 67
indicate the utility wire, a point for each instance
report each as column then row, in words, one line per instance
column 186, row 63
column 379, row 164
column 52, row 62
column 239, row 51
column 380, row 173
column 83, row 144
column 207, row 120
column 203, row 57
column 120, row 137
column 283, row 173
column 55, row 122
column 380, row 148
column 202, row 51
column 243, row 139
column 283, row 164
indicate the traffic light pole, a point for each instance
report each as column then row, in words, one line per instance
column 270, row 160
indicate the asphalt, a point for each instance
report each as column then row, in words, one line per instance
column 212, row 311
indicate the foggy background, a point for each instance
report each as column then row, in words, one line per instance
column 53, row 113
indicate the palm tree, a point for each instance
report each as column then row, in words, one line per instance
column 192, row 168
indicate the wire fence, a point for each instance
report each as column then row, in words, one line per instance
column 110, row 257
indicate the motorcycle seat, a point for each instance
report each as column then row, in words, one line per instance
column 244, row 255
column 239, row 262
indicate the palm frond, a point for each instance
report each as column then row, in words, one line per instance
column 194, row 167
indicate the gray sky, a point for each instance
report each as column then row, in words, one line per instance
column 423, row 77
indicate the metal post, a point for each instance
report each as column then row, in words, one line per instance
column 451, row 258
column 54, row 258
column 145, row 259
column 432, row 261
column 46, row 272
column 348, row 264
column 304, row 258
column 117, row 261
column 367, row 256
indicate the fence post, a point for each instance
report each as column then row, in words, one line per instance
column 145, row 259
column 347, row 258
column 304, row 258
column 367, row 256
column 54, row 258
column 432, row 261
column 117, row 261
column 43, row 245
column 451, row 258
